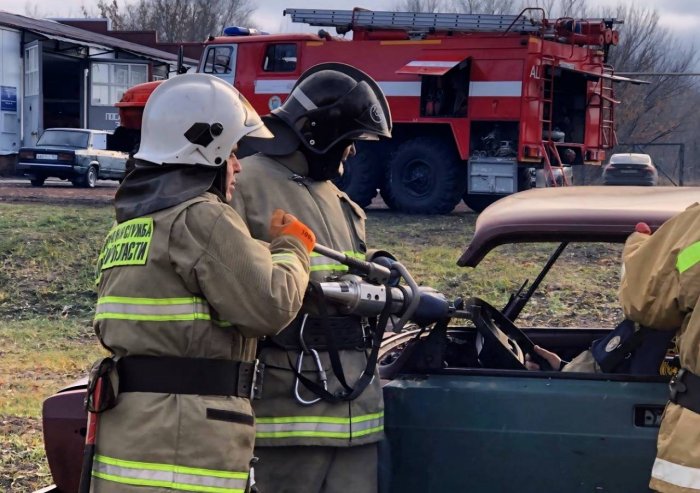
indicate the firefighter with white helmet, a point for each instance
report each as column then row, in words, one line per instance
column 320, row 414
column 183, row 291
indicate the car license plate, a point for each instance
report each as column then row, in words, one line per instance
column 628, row 171
column 47, row 156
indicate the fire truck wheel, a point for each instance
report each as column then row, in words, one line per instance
column 425, row 176
column 361, row 176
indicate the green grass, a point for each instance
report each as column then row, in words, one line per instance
column 579, row 291
column 47, row 258
column 47, row 255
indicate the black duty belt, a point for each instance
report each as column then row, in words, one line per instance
column 200, row 376
column 685, row 390
column 347, row 331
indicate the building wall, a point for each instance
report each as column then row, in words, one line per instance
column 10, row 91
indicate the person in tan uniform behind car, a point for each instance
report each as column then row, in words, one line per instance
column 318, row 421
column 183, row 291
column 661, row 289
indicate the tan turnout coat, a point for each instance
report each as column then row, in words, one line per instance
column 187, row 281
column 661, row 289
column 267, row 183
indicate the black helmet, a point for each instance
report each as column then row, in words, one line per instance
column 330, row 103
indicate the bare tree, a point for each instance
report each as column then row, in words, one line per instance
column 651, row 113
column 497, row 7
column 419, row 6
column 176, row 20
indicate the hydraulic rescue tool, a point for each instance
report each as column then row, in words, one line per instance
column 373, row 287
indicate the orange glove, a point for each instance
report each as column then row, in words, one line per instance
column 282, row 223
column 643, row 228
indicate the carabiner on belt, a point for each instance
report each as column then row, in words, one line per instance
column 300, row 363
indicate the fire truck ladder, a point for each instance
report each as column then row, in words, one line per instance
column 607, row 138
column 346, row 20
column 549, row 147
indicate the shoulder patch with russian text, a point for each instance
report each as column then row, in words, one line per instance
column 127, row 244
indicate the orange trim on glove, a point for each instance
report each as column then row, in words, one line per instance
column 283, row 223
column 299, row 230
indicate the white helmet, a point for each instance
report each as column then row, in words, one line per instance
column 196, row 119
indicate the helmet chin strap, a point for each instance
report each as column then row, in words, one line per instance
column 218, row 186
column 325, row 166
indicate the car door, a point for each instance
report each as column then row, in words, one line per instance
column 100, row 154
column 112, row 163
column 486, row 431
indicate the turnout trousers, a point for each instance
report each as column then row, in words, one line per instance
column 304, row 469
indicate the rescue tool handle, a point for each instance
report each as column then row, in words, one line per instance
column 372, row 271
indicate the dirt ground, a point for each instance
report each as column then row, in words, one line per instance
column 56, row 191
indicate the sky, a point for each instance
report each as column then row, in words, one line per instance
column 682, row 16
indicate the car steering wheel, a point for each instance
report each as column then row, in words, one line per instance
column 500, row 343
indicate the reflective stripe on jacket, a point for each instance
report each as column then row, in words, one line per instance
column 661, row 289
column 202, row 288
column 268, row 183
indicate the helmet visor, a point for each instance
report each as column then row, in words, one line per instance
column 254, row 126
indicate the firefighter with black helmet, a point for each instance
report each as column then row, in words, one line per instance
column 183, row 291
column 320, row 415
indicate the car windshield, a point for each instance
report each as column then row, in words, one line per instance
column 68, row 138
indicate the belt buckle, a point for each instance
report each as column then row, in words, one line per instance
column 676, row 385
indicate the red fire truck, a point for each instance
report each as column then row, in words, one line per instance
column 483, row 105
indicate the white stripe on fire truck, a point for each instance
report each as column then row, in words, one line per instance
column 430, row 63
column 497, row 88
column 280, row 86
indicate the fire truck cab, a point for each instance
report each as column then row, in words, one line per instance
column 483, row 105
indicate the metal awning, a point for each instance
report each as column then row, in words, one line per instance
column 596, row 76
column 108, row 49
column 73, row 41
column 427, row 66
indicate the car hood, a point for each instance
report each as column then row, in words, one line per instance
column 590, row 213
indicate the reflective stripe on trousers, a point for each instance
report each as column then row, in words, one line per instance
column 319, row 426
column 168, row 476
column 153, row 309
column 676, row 474
column 320, row 262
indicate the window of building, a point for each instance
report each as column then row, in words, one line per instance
column 218, row 60
column 280, row 58
column 111, row 80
